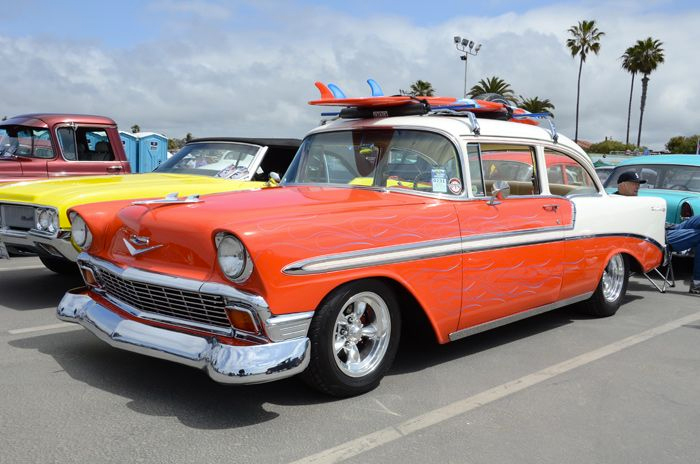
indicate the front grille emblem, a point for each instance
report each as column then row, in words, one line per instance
column 139, row 241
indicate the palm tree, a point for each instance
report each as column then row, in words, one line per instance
column 585, row 39
column 535, row 105
column 651, row 55
column 422, row 89
column 492, row 85
column 630, row 64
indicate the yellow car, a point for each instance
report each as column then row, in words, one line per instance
column 33, row 214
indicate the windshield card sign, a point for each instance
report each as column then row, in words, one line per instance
column 439, row 179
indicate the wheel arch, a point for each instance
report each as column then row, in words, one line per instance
column 416, row 321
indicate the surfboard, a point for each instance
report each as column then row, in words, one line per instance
column 332, row 95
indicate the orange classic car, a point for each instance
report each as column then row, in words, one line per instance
column 379, row 222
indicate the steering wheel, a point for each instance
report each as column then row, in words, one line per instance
column 423, row 175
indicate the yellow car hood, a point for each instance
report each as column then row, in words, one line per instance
column 67, row 192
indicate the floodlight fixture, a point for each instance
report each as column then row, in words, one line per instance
column 467, row 47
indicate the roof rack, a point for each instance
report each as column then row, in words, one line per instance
column 492, row 106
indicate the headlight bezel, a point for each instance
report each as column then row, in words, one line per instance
column 76, row 222
column 225, row 240
column 46, row 220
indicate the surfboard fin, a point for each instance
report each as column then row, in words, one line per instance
column 326, row 94
column 376, row 90
column 337, row 93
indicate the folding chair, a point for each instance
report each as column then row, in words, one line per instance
column 664, row 272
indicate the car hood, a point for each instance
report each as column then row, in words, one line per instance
column 71, row 191
column 271, row 218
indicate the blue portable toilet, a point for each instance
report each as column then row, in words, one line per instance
column 93, row 138
column 130, row 145
column 152, row 149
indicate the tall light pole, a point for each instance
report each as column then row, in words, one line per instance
column 467, row 47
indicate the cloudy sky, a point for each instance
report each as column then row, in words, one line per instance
column 247, row 68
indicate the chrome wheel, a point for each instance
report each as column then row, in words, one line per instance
column 614, row 278
column 361, row 334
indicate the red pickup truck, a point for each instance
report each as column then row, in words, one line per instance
column 38, row 146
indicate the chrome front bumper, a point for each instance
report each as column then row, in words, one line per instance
column 59, row 246
column 224, row 363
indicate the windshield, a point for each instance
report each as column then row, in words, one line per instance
column 661, row 176
column 227, row 160
column 392, row 158
column 27, row 142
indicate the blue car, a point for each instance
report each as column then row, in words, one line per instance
column 675, row 178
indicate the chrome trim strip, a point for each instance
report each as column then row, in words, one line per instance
column 375, row 257
column 414, row 251
column 288, row 326
column 223, row 363
column 439, row 248
column 516, row 317
column 613, row 234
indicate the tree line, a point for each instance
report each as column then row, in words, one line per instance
column 640, row 59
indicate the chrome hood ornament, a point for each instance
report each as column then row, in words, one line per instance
column 170, row 199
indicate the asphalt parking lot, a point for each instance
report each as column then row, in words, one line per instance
column 556, row 388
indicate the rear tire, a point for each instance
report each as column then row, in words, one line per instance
column 611, row 289
column 59, row 265
column 354, row 338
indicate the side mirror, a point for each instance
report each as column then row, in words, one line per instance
column 274, row 179
column 500, row 191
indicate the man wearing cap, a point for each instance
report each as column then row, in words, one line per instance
column 679, row 237
column 628, row 184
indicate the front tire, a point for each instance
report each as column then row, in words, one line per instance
column 611, row 289
column 59, row 265
column 354, row 338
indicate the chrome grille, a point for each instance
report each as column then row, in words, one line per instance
column 17, row 217
column 197, row 307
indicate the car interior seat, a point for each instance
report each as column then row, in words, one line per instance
column 102, row 151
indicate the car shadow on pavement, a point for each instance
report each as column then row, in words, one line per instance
column 413, row 357
column 29, row 289
column 161, row 388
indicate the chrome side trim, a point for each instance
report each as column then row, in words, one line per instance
column 375, row 257
column 516, row 317
column 637, row 236
column 439, row 248
column 223, row 363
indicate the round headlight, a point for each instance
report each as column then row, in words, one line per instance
column 233, row 258
column 44, row 220
column 54, row 225
column 79, row 232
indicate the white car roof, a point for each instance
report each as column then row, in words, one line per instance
column 456, row 125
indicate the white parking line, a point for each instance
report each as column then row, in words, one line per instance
column 21, row 268
column 365, row 443
column 41, row 328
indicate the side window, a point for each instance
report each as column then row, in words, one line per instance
column 66, row 139
column 567, row 176
column 93, row 144
column 475, row 169
column 514, row 164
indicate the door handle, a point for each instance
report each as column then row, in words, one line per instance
column 553, row 208
column 114, row 168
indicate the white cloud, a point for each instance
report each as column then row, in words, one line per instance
column 255, row 80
